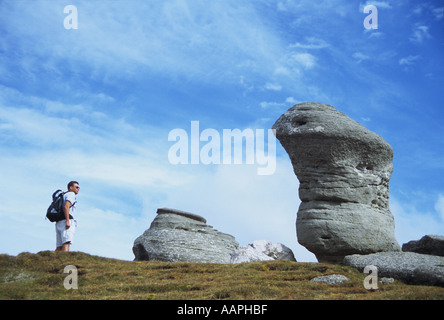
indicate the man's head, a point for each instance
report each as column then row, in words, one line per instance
column 73, row 186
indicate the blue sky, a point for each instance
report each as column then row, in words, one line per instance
column 96, row 104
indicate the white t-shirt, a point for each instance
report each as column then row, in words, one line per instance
column 71, row 197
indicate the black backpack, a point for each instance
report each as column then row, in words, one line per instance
column 55, row 211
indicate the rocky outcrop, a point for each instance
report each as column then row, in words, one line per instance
column 429, row 244
column 262, row 250
column 176, row 235
column 409, row 267
column 344, row 172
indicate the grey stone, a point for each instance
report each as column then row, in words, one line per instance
column 176, row 235
column 409, row 267
column 248, row 254
column 385, row 280
column 17, row 277
column 429, row 244
column 262, row 250
column 331, row 279
column 429, row 275
column 344, row 171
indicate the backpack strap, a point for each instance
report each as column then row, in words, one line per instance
column 54, row 194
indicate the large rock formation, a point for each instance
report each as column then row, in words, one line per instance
column 344, row 172
column 176, row 235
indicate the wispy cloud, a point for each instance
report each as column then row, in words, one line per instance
column 412, row 223
column 438, row 13
column 407, row 61
column 439, row 206
column 420, row 33
column 359, row 56
column 173, row 40
column 289, row 102
column 97, row 143
column 306, row 60
column 273, row 86
column 311, row 43
column 377, row 4
column 225, row 43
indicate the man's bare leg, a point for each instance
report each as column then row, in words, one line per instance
column 65, row 246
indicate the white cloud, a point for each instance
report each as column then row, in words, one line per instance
column 412, row 224
column 374, row 34
column 419, row 34
column 292, row 101
column 311, row 43
column 359, row 56
column 306, row 7
column 116, row 153
column 268, row 104
column 407, row 61
column 289, row 102
column 417, row 10
column 195, row 40
column 438, row 13
column 377, row 4
column 439, row 206
column 305, row 60
column 273, row 86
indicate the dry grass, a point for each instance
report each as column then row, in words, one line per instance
column 40, row 276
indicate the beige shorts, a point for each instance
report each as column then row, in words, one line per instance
column 64, row 235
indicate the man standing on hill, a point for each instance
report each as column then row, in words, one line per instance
column 66, row 228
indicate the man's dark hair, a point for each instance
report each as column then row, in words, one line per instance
column 71, row 183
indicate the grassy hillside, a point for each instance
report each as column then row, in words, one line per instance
column 41, row 276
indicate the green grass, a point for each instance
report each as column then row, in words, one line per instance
column 40, row 276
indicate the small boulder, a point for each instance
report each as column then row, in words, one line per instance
column 331, row 279
column 248, row 254
column 262, row 250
